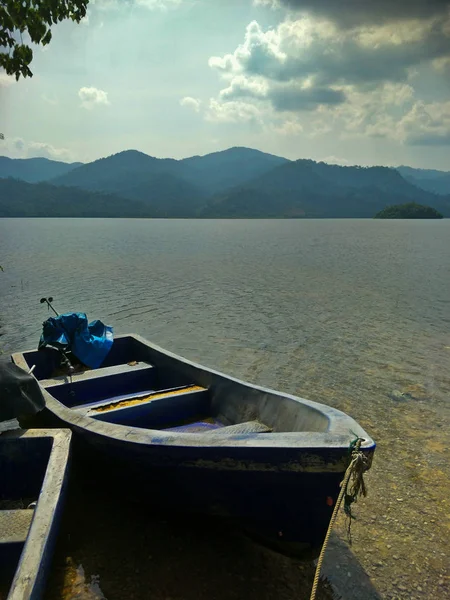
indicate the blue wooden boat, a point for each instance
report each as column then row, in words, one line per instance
column 204, row 441
column 33, row 467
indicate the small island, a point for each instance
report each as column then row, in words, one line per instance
column 411, row 210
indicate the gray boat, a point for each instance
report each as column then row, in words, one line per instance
column 34, row 469
column 197, row 440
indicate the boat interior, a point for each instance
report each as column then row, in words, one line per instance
column 140, row 386
column 23, row 464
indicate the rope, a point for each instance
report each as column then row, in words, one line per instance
column 358, row 465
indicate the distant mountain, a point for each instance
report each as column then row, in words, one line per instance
column 33, row 170
column 420, row 173
column 235, row 183
column 22, row 199
column 305, row 188
column 430, row 180
column 181, row 186
column 166, row 195
column 156, row 182
column 116, row 172
column 222, row 170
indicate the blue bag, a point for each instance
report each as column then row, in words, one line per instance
column 89, row 342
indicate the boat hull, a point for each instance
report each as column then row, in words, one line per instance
column 282, row 484
column 34, row 465
column 281, row 502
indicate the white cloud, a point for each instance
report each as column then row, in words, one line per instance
column 395, row 34
column 393, row 112
column 267, row 66
column 317, row 50
column 442, row 65
column 48, row 151
column 364, row 107
column 357, row 81
column 91, row 97
column 335, row 160
column 241, row 86
column 269, row 3
column 18, row 144
column 289, row 127
column 233, row 112
column 426, row 124
column 161, row 5
column 17, row 147
column 259, row 54
column 6, row 80
column 371, row 112
column 189, row 102
column 103, row 4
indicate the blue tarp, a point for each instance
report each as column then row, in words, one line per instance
column 89, row 342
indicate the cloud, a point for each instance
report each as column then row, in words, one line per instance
column 6, row 80
column 19, row 144
column 318, row 50
column 17, row 147
column 269, row 3
column 190, row 102
column 335, row 160
column 48, row 151
column 442, row 66
column 233, row 112
column 268, row 65
column 288, row 128
column 283, row 97
column 353, row 13
column 260, row 54
column 392, row 112
column 296, row 97
column 244, row 87
column 372, row 111
column 354, row 82
column 91, row 97
column 161, row 5
column 426, row 124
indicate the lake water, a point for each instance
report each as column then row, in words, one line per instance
column 347, row 312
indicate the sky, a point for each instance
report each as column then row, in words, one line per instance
column 344, row 81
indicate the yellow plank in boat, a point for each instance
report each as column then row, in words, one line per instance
column 157, row 396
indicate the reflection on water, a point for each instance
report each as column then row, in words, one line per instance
column 355, row 314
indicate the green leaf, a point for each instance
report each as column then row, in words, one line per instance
column 47, row 38
column 32, row 17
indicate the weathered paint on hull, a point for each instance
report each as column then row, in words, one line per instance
column 39, row 460
column 284, row 509
column 282, row 485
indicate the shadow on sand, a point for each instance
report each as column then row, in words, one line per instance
column 135, row 553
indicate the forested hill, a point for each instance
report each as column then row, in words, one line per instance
column 410, row 210
column 430, row 180
column 305, row 188
column 34, row 170
column 235, row 183
column 22, row 199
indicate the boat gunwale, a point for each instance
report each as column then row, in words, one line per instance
column 35, row 552
column 341, row 431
